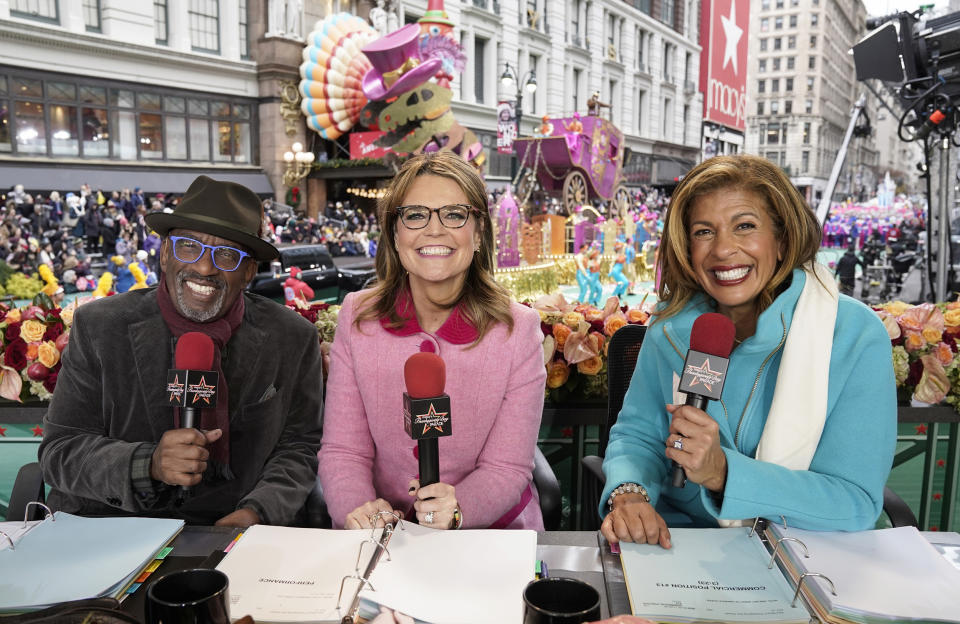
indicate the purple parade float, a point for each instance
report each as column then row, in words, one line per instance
column 577, row 159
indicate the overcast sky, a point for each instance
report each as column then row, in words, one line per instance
column 885, row 7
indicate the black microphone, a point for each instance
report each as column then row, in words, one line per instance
column 705, row 368
column 192, row 385
column 426, row 410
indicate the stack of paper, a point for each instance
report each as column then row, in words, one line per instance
column 68, row 557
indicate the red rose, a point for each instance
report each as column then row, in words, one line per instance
column 51, row 381
column 546, row 328
column 916, row 372
column 15, row 355
column 12, row 332
column 596, row 326
column 53, row 332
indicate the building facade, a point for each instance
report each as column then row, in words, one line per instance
column 802, row 88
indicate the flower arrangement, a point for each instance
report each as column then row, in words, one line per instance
column 575, row 340
column 323, row 315
column 33, row 338
column 924, row 339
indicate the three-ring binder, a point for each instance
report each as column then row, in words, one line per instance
column 773, row 544
column 349, row 616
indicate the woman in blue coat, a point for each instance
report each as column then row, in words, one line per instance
column 806, row 424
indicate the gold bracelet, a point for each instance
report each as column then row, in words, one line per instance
column 457, row 518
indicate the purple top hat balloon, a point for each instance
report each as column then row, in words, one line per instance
column 397, row 67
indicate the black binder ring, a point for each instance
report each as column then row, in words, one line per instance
column 26, row 512
column 800, row 585
column 776, row 549
column 9, row 539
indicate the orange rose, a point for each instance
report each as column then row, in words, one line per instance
column 931, row 334
column 32, row 349
column 590, row 366
column 613, row 323
column 635, row 316
column 952, row 317
column 13, row 316
column 48, row 354
column 560, row 333
column 593, row 314
column 32, row 331
column 557, row 374
column 953, row 305
column 897, row 308
column 66, row 315
column 913, row 341
column 572, row 319
column 944, row 353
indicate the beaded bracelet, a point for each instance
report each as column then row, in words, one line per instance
column 628, row 488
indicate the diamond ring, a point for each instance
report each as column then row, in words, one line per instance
column 678, row 444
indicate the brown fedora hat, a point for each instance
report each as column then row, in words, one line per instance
column 225, row 209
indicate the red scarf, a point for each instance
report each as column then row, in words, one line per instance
column 220, row 331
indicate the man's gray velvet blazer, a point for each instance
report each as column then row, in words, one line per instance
column 110, row 399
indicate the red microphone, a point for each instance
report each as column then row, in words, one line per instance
column 426, row 410
column 192, row 385
column 705, row 369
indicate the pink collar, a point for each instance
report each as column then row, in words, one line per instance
column 455, row 330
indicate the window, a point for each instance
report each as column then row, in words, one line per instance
column 763, row 45
column 763, row 133
column 160, row 21
column 479, row 72
column 793, row 21
column 641, row 100
column 773, row 134
column 575, row 21
column 812, row 62
column 788, row 84
column 775, row 85
column 761, row 86
column 787, row 107
column 765, row 5
column 777, row 43
column 773, row 157
column 40, row 10
column 30, row 127
column 764, row 24
column 805, row 161
column 813, row 41
column 778, row 22
column 760, row 108
column 244, row 30
column 779, row 4
column 806, row 133
column 814, row 19
column 668, row 11
column 91, row 15
column 774, row 107
column 667, row 119
column 811, row 81
column 791, row 62
column 791, row 42
column 808, row 106
column 205, row 25
column 577, row 73
column 776, row 64
column 611, row 30
column 641, row 46
column 762, row 65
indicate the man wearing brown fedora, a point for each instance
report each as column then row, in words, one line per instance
column 112, row 445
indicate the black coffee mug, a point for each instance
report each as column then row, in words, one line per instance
column 197, row 596
column 558, row 600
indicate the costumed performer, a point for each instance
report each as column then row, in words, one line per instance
column 435, row 292
column 807, row 425
column 616, row 271
column 596, row 288
column 111, row 444
column 583, row 273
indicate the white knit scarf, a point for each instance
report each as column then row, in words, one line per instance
column 799, row 409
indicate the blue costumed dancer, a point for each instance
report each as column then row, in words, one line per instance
column 583, row 274
column 596, row 288
column 616, row 272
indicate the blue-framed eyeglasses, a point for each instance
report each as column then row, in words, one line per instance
column 189, row 250
column 453, row 216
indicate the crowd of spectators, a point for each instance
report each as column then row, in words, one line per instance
column 345, row 230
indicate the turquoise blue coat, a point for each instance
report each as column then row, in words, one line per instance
column 843, row 488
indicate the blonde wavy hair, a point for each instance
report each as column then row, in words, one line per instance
column 795, row 225
column 484, row 301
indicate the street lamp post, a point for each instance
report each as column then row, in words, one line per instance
column 529, row 82
column 298, row 164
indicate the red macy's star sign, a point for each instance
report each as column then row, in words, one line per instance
column 432, row 415
column 37, row 431
column 3, row 432
column 921, row 428
column 704, row 370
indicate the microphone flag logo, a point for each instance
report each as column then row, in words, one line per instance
column 432, row 420
column 703, row 374
column 176, row 387
column 426, row 418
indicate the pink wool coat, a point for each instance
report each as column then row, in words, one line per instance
column 496, row 401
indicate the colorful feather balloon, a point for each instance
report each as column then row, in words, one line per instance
column 331, row 73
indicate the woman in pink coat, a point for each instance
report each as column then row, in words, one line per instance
column 435, row 292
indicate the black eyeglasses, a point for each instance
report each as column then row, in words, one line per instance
column 453, row 216
column 189, row 250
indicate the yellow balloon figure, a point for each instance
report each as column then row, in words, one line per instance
column 104, row 285
column 52, row 285
column 138, row 275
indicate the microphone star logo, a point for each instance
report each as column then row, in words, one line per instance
column 703, row 375
column 175, row 388
column 202, row 391
column 432, row 419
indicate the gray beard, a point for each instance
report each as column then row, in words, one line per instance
column 199, row 316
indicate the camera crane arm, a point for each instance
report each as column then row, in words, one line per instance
column 823, row 208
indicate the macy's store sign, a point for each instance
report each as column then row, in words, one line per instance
column 723, row 61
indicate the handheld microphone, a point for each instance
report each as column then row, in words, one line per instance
column 426, row 410
column 705, row 368
column 192, row 385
